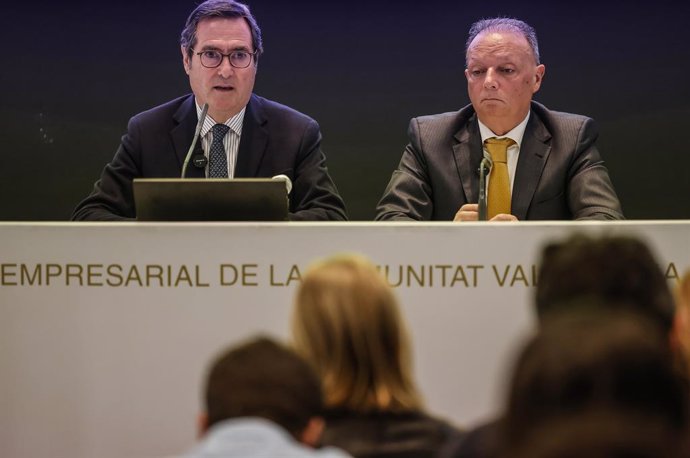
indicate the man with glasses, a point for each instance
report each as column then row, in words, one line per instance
column 243, row 135
column 544, row 165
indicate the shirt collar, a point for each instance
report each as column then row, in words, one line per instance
column 234, row 123
column 515, row 134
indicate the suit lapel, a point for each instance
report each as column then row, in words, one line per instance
column 183, row 134
column 468, row 155
column 253, row 141
column 534, row 151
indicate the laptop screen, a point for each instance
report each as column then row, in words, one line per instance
column 210, row 199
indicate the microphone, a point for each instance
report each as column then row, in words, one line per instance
column 202, row 118
column 286, row 179
column 484, row 168
column 199, row 161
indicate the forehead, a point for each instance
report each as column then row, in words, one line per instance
column 223, row 30
column 499, row 45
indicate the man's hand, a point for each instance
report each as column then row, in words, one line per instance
column 470, row 212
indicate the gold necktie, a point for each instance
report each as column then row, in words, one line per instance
column 498, row 200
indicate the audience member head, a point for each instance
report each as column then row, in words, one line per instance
column 261, row 378
column 682, row 318
column 594, row 364
column 617, row 271
column 347, row 323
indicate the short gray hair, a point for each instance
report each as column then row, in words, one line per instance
column 505, row 24
column 223, row 9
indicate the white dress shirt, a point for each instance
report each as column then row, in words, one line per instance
column 516, row 135
column 231, row 142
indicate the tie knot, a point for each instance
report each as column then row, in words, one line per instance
column 498, row 148
column 219, row 130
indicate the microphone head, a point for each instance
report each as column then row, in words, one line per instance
column 486, row 165
column 286, row 179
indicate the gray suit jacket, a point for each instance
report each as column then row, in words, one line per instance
column 275, row 140
column 560, row 174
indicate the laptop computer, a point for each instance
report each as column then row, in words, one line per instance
column 210, row 199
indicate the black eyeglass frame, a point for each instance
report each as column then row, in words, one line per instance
column 223, row 56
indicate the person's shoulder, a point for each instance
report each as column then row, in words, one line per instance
column 442, row 126
column 447, row 430
column 273, row 110
column 556, row 117
column 480, row 441
column 567, row 128
column 165, row 111
column 329, row 452
column 412, row 423
column 449, row 118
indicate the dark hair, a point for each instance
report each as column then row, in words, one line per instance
column 595, row 360
column 222, row 9
column 621, row 271
column 504, row 24
column 262, row 378
column 600, row 435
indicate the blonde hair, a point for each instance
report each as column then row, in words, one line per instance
column 347, row 324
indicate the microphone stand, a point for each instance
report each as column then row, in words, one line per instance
column 197, row 131
column 484, row 168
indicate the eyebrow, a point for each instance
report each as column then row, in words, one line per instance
column 482, row 63
column 216, row 48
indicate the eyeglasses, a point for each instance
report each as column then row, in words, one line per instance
column 238, row 59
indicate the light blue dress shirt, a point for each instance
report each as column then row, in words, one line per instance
column 256, row 438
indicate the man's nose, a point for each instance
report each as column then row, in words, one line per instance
column 225, row 70
column 490, row 81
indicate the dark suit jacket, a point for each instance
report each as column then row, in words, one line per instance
column 560, row 174
column 483, row 441
column 275, row 140
column 384, row 434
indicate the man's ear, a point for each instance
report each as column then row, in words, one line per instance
column 538, row 77
column 201, row 424
column 186, row 62
column 311, row 435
